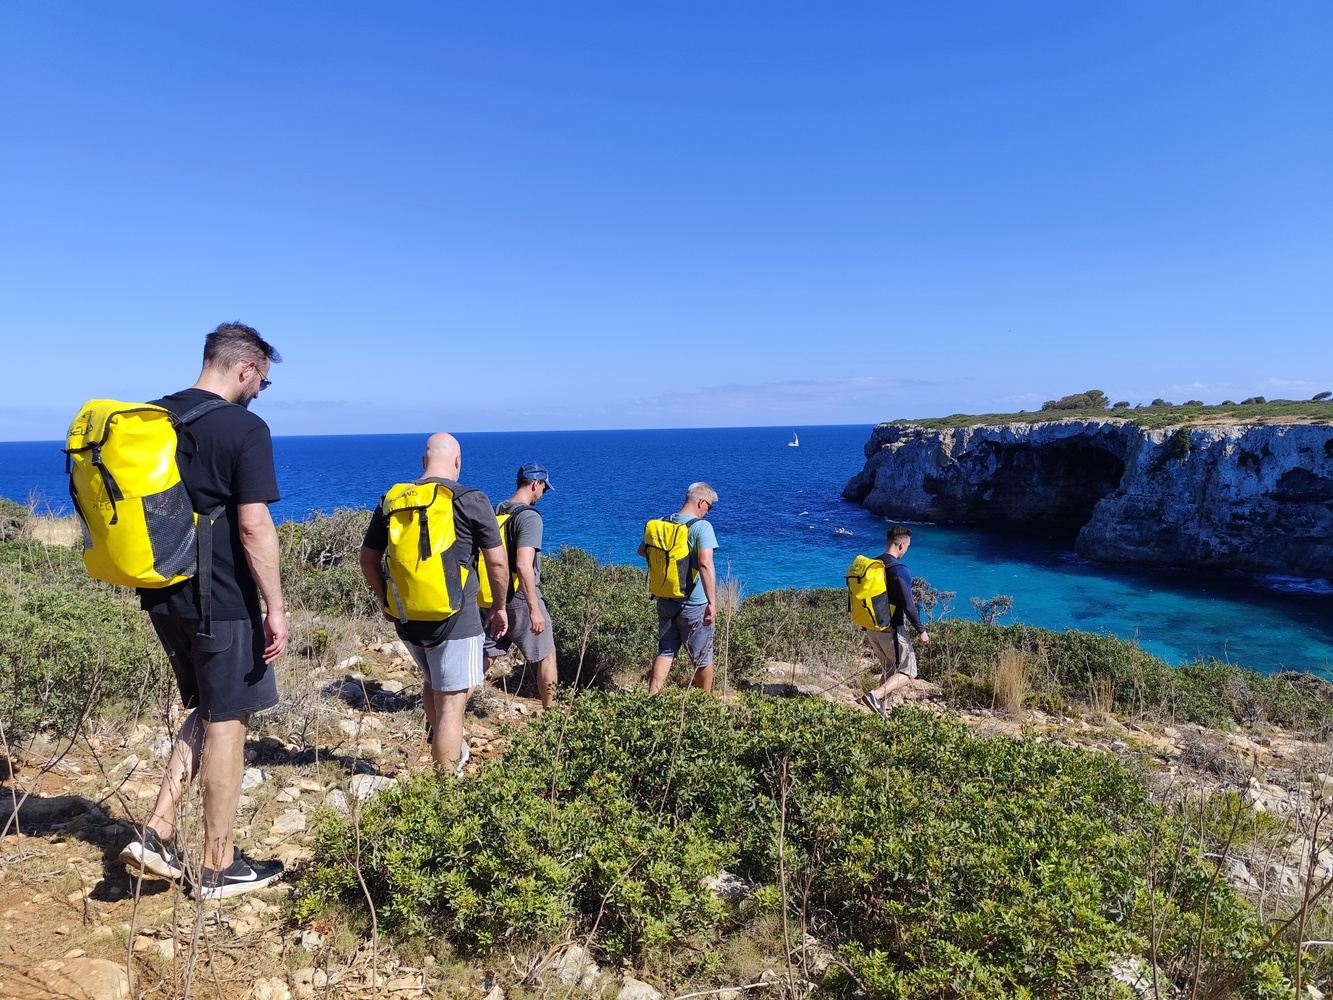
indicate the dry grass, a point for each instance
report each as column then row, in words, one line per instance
column 1010, row 683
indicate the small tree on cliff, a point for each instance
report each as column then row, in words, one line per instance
column 1319, row 397
column 1091, row 399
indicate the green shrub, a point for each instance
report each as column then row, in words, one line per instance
column 1085, row 667
column 802, row 626
column 604, row 618
column 13, row 516
column 64, row 648
column 937, row 863
column 321, row 569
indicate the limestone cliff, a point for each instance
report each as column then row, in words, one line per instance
column 1254, row 498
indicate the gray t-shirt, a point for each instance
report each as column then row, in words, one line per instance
column 526, row 529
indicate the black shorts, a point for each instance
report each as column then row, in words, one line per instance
column 225, row 676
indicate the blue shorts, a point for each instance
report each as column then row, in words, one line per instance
column 681, row 624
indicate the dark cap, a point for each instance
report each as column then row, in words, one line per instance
column 534, row 472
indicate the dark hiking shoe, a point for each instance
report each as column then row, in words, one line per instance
column 242, row 875
column 871, row 702
column 151, row 855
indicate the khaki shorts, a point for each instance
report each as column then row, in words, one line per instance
column 895, row 652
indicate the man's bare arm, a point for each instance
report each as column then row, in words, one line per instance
column 527, row 582
column 497, row 570
column 259, row 539
column 709, row 576
column 371, row 561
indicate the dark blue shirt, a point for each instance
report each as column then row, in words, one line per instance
column 898, row 579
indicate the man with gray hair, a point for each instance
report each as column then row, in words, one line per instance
column 689, row 621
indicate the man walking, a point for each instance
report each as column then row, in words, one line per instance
column 226, row 461
column 529, row 620
column 447, row 650
column 894, row 647
column 689, row 621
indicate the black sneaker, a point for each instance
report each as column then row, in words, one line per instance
column 242, row 875
column 871, row 702
column 151, row 855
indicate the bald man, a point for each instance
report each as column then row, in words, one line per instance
column 448, row 651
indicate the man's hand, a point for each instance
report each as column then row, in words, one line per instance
column 924, row 638
column 710, row 613
column 497, row 623
column 536, row 620
column 275, row 634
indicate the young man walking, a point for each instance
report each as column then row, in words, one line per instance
column 894, row 647
column 529, row 620
column 447, row 651
column 689, row 622
column 226, row 461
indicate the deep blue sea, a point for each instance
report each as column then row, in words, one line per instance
column 776, row 515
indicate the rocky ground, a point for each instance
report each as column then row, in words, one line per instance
column 74, row 924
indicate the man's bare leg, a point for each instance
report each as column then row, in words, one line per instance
column 896, row 680
column 447, row 708
column 546, row 679
column 658, row 676
column 222, row 762
column 703, row 678
column 182, row 766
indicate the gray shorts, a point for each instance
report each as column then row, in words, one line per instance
column 895, row 652
column 534, row 648
column 453, row 665
column 681, row 624
column 224, row 675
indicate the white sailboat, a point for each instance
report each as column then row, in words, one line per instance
column 795, row 442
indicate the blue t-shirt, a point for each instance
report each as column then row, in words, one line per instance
column 701, row 536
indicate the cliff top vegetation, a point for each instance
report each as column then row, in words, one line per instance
column 1093, row 404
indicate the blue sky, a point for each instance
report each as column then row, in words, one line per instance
column 542, row 216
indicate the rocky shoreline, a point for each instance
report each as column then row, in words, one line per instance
column 1257, row 499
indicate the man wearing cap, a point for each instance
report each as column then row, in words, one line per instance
column 529, row 620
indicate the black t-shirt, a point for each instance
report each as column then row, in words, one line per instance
column 226, row 459
column 476, row 529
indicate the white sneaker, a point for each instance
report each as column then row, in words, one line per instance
column 463, row 757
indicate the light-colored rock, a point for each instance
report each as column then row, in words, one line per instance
column 392, row 687
column 349, row 727
column 363, row 786
column 252, row 779
column 289, row 823
column 494, row 993
column 81, row 979
column 636, row 989
column 288, row 795
column 337, row 801
column 162, row 744
column 349, row 662
column 270, row 989
column 577, row 968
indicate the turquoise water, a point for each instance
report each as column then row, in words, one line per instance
column 775, row 520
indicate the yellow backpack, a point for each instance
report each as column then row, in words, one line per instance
column 424, row 572
column 140, row 528
column 667, row 544
column 505, row 520
column 868, row 594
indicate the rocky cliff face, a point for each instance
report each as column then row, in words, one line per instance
column 1255, row 498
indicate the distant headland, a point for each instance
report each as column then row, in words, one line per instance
column 1235, row 486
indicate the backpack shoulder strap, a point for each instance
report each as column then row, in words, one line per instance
column 195, row 412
